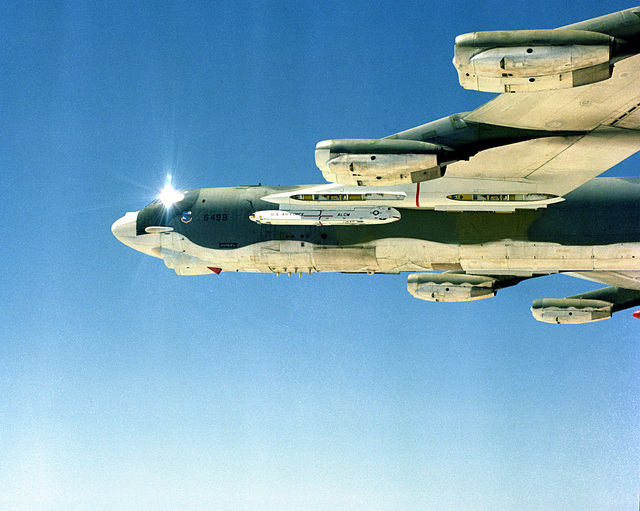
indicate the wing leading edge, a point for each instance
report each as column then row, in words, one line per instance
column 554, row 140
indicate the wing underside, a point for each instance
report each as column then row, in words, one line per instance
column 607, row 112
column 552, row 137
column 623, row 279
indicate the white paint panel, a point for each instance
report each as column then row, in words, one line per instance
column 585, row 159
column 514, row 161
column 397, row 254
column 554, row 165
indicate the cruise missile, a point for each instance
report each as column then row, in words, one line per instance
column 355, row 216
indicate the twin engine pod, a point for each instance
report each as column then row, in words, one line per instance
column 387, row 161
column 450, row 287
column 533, row 60
column 571, row 311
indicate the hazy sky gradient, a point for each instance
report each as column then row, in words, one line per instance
column 124, row 386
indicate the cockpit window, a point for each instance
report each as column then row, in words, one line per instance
column 169, row 197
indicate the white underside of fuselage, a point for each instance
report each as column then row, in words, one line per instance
column 391, row 255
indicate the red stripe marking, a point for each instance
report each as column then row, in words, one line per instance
column 418, row 194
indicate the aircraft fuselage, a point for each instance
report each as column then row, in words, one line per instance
column 597, row 227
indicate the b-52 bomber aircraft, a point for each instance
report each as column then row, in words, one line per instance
column 469, row 204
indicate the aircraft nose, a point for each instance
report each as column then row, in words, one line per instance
column 125, row 228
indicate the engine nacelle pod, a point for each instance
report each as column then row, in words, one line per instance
column 450, row 287
column 532, row 60
column 570, row 311
column 376, row 162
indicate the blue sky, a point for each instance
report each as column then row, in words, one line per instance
column 123, row 385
